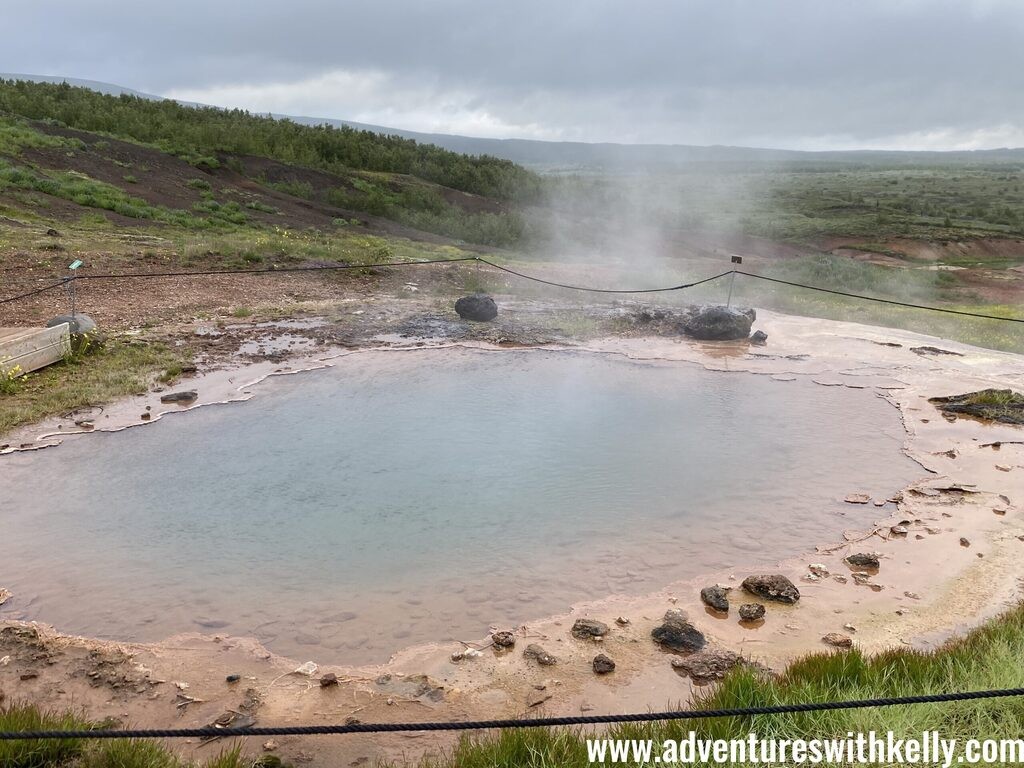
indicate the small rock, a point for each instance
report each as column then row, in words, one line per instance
column 772, row 587
column 839, row 579
column 912, row 595
column 1003, row 467
column 503, row 639
column 5, row 595
column 899, row 530
column 622, row 621
column 715, row 597
column 145, row 417
column 232, row 678
column 270, row 746
column 603, row 665
column 707, row 665
column 328, row 680
column 863, row 560
column 52, row 233
column 537, row 697
column 678, row 634
column 28, row 676
column 857, row 498
column 588, row 629
column 539, row 655
column 838, row 640
column 964, row 542
column 760, row 338
column 186, row 396
column 818, row 569
column 752, row 611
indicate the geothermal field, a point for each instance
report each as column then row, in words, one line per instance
column 287, row 439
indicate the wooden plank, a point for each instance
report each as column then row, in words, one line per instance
column 35, row 348
column 10, row 333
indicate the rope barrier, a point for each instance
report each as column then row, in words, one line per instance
column 601, row 290
column 541, row 722
column 532, row 278
column 880, row 300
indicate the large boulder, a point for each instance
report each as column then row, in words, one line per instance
column 479, row 307
column 78, row 323
column 718, row 323
column 772, row 587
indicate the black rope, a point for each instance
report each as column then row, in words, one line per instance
column 540, row 722
column 881, row 301
column 600, row 290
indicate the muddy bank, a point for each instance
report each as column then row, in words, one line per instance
column 947, row 560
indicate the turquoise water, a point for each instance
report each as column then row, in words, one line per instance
column 415, row 496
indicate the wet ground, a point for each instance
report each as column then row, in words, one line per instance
column 949, row 549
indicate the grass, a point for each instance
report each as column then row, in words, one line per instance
column 805, row 204
column 112, row 753
column 16, row 135
column 87, row 192
column 1002, row 405
column 119, row 369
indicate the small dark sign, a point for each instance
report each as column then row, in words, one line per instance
column 737, row 259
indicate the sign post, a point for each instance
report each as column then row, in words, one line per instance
column 732, row 279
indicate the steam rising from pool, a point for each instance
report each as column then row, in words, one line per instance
column 418, row 496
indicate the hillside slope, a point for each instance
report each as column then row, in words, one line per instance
column 66, row 151
column 610, row 157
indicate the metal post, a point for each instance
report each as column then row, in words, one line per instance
column 72, row 286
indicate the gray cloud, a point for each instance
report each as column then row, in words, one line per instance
column 791, row 73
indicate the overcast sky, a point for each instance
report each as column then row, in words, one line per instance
column 802, row 74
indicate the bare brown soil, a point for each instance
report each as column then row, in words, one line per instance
column 162, row 180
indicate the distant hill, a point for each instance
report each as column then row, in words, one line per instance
column 569, row 156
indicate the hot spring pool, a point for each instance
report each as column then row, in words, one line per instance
column 403, row 497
